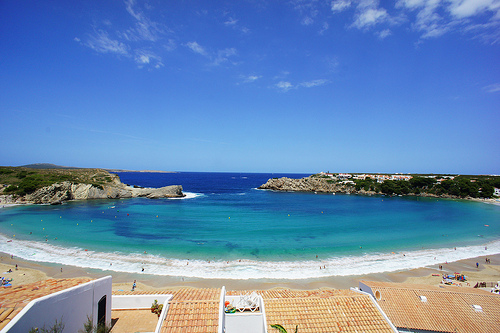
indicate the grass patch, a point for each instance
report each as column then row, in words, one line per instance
column 22, row 181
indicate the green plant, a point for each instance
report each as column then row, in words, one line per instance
column 89, row 327
column 282, row 329
column 58, row 327
column 156, row 308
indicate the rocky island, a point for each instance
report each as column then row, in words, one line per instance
column 443, row 186
column 20, row 185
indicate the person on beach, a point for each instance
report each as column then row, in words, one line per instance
column 133, row 286
column 477, row 265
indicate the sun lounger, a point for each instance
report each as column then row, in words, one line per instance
column 248, row 302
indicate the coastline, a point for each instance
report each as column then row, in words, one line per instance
column 30, row 271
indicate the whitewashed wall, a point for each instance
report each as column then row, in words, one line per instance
column 72, row 306
column 123, row 302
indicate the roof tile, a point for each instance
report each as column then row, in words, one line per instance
column 447, row 309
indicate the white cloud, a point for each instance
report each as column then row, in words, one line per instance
column 338, row 6
column 197, row 48
column 308, row 9
column 102, row 43
column 129, row 4
column 367, row 12
column 138, row 42
column 384, row 33
column 332, row 63
column 370, row 17
column 144, row 29
column 76, row 39
column 218, row 57
column 324, row 28
column 223, row 56
column 231, row 22
column 142, row 59
column 313, row 83
column 492, row 88
column 428, row 21
column 146, row 57
column 171, row 45
column 411, row 4
column 284, row 85
column 287, row 85
column 434, row 18
column 467, row 8
column 307, row 21
column 251, row 78
column 488, row 32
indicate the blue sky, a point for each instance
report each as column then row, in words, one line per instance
column 252, row 86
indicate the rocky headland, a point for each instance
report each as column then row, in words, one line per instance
column 321, row 184
column 309, row 184
column 111, row 188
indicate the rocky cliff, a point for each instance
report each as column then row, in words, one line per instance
column 317, row 184
column 65, row 191
column 307, row 184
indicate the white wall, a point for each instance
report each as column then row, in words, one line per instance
column 244, row 322
column 123, row 302
column 72, row 306
column 365, row 288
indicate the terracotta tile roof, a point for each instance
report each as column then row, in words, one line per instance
column 323, row 311
column 193, row 310
column 446, row 309
column 15, row 298
column 192, row 316
column 196, row 310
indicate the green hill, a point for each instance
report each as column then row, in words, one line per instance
column 26, row 180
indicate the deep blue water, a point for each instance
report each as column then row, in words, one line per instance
column 246, row 232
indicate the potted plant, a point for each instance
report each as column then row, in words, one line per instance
column 156, row 308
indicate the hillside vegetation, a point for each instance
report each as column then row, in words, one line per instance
column 459, row 186
column 445, row 186
column 22, row 181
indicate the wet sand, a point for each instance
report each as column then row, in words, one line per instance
column 29, row 272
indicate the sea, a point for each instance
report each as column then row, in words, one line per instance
column 226, row 228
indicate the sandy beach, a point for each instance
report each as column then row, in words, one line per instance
column 29, row 272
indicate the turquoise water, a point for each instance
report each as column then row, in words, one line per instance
column 250, row 233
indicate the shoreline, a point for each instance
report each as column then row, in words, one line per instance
column 30, row 271
column 490, row 201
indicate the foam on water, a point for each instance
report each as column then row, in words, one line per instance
column 188, row 195
column 244, row 269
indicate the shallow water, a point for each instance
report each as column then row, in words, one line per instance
column 226, row 228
